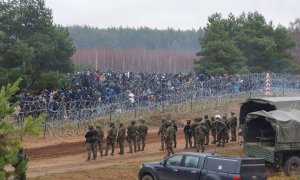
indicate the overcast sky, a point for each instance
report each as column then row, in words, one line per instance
column 161, row 14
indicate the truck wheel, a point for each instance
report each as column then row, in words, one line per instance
column 292, row 166
column 147, row 177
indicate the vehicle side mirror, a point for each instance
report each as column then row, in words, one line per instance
column 162, row 162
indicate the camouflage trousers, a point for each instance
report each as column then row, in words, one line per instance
column 99, row 143
column 132, row 140
column 188, row 141
column 207, row 138
column 201, row 143
column 110, row 143
column 233, row 133
column 162, row 143
column 121, row 145
column 221, row 137
column 175, row 140
column 214, row 135
column 141, row 140
column 91, row 148
column 169, row 147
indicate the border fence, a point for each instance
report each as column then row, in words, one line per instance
column 186, row 101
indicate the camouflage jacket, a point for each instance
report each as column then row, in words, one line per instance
column 121, row 133
column 169, row 135
column 112, row 133
column 142, row 130
column 100, row 134
column 131, row 130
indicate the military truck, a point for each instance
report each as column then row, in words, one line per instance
column 275, row 137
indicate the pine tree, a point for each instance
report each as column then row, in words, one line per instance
column 10, row 135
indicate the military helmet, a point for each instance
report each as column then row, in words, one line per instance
column 206, row 116
column 163, row 119
column 173, row 120
column 200, row 118
column 121, row 124
column 133, row 122
column 232, row 113
column 202, row 123
column 91, row 126
column 188, row 121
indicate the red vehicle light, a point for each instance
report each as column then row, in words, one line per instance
column 236, row 178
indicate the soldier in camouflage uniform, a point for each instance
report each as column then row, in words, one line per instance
column 227, row 127
column 233, row 125
column 169, row 138
column 142, row 131
column 131, row 135
column 187, row 130
column 213, row 130
column 121, row 138
column 111, row 138
column 91, row 143
column 201, row 132
column 193, row 127
column 100, row 137
column 161, row 133
column 208, row 127
column 175, row 131
column 221, row 134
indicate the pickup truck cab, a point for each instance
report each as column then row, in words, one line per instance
column 203, row 166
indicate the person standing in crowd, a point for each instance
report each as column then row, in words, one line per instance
column 175, row 131
column 21, row 157
column 100, row 138
column 91, row 142
column 201, row 132
column 142, row 131
column 111, row 138
column 208, row 127
column 213, row 129
column 131, row 135
column 188, row 134
column 169, row 138
column 161, row 133
column 121, row 138
column 233, row 125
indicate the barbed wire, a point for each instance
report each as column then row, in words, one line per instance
column 72, row 117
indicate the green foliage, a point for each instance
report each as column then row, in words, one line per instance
column 31, row 42
column 52, row 80
column 90, row 37
column 246, row 43
column 10, row 135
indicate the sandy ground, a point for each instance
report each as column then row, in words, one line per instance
column 65, row 158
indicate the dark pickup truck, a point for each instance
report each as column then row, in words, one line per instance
column 202, row 166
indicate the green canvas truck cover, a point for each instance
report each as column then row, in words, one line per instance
column 268, row 104
column 285, row 122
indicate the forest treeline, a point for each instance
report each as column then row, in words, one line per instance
column 86, row 37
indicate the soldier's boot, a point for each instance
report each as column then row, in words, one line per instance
column 112, row 150
column 213, row 142
column 143, row 148
column 134, row 148
column 191, row 145
column 139, row 148
column 219, row 144
column 130, row 150
column 95, row 157
column 203, row 149
column 175, row 144
column 88, row 158
column 101, row 153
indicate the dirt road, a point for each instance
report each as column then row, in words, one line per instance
column 56, row 157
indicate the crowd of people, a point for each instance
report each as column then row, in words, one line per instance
column 91, row 89
column 196, row 135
